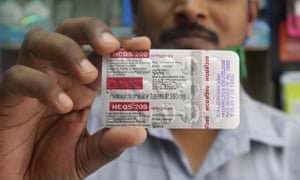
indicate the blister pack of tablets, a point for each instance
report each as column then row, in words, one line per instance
column 171, row 89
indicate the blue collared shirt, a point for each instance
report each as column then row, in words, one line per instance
column 265, row 146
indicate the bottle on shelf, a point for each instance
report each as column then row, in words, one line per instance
column 11, row 13
column 62, row 9
column 10, row 17
column 37, row 15
column 115, row 13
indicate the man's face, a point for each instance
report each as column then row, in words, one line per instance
column 194, row 24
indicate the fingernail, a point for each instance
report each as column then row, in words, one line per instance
column 138, row 38
column 108, row 38
column 64, row 100
column 86, row 66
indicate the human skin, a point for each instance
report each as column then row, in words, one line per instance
column 43, row 112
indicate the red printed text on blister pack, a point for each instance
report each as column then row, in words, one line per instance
column 129, row 106
column 122, row 53
column 124, row 83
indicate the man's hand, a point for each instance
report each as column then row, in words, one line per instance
column 45, row 100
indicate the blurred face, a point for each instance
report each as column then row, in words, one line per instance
column 194, row 24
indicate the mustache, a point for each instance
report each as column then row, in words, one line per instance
column 187, row 29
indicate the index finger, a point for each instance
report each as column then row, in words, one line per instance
column 42, row 49
column 92, row 32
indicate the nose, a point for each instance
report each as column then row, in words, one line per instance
column 187, row 11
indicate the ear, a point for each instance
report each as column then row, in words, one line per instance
column 134, row 9
column 253, row 6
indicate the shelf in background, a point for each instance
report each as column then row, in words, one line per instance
column 10, row 46
column 257, row 47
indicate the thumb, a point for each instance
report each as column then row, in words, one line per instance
column 106, row 145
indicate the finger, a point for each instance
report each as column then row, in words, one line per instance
column 20, row 81
column 108, row 144
column 136, row 43
column 40, row 49
column 90, row 31
column 96, row 60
